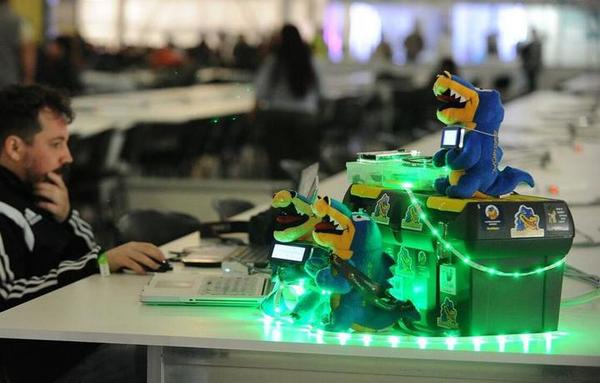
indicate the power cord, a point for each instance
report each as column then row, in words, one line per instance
column 582, row 276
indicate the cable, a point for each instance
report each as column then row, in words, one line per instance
column 590, row 242
column 575, row 273
column 581, row 299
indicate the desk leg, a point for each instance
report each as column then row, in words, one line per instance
column 155, row 371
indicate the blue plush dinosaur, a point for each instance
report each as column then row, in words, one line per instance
column 474, row 168
column 358, row 269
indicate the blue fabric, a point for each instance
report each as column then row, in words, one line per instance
column 481, row 154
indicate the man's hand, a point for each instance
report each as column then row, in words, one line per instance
column 133, row 255
column 55, row 195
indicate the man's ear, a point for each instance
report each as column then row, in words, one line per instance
column 14, row 147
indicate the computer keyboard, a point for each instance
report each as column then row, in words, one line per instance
column 251, row 255
column 228, row 286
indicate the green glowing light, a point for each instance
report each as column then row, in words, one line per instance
column 465, row 258
column 274, row 331
column 525, row 338
column 501, row 339
column 451, row 343
column 276, row 335
column 367, row 340
column 548, row 339
column 319, row 337
column 343, row 338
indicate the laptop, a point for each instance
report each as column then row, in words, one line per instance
column 206, row 290
column 236, row 257
column 214, row 254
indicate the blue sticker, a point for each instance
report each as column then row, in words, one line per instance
column 448, row 315
column 527, row 223
column 382, row 209
column 411, row 219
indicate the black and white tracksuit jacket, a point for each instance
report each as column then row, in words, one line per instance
column 37, row 253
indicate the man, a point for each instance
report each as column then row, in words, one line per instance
column 17, row 48
column 531, row 59
column 44, row 244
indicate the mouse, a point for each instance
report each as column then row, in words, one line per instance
column 163, row 266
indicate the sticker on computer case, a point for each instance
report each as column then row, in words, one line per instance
column 448, row 315
column 382, row 209
column 527, row 223
column 405, row 260
column 448, row 279
column 557, row 217
column 411, row 219
column 422, row 259
column 491, row 217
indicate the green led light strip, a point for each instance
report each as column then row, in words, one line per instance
column 465, row 258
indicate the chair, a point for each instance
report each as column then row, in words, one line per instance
column 95, row 182
column 155, row 149
column 228, row 207
column 154, row 226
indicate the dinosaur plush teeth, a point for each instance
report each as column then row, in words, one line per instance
column 329, row 225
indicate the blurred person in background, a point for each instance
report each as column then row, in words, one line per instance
column 287, row 101
column 166, row 57
column 413, row 44
column 58, row 66
column 245, row 56
column 172, row 66
column 383, row 53
column 202, row 54
column 446, row 64
column 318, row 45
column 17, row 48
column 531, row 59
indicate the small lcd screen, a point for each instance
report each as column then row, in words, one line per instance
column 288, row 253
column 449, row 138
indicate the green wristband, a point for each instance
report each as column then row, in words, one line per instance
column 103, row 265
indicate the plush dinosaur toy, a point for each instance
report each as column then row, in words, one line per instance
column 295, row 294
column 359, row 271
column 474, row 168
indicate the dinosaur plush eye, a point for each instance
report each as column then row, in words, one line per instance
column 360, row 217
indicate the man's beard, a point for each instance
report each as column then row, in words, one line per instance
column 62, row 171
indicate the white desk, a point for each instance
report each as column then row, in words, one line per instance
column 107, row 310
column 122, row 110
column 228, row 344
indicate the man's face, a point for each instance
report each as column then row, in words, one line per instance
column 48, row 151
